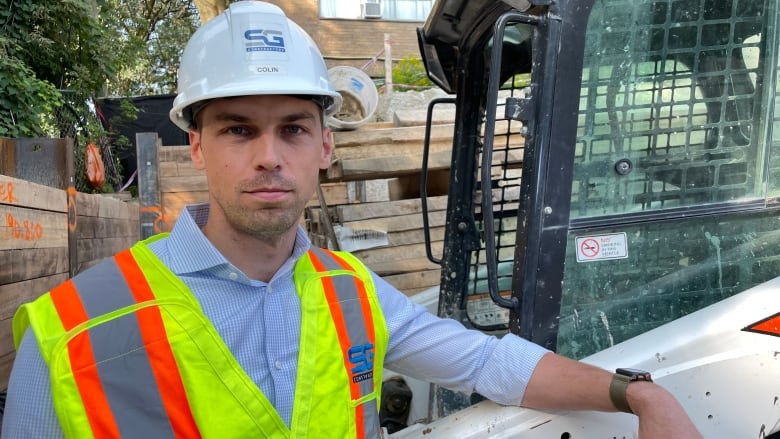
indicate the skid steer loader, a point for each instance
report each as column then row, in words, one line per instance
column 615, row 197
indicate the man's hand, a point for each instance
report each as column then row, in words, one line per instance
column 560, row 383
column 660, row 414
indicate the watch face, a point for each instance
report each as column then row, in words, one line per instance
column 635, row 374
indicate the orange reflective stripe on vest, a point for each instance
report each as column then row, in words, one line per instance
column 355, row 328
column 151, row 360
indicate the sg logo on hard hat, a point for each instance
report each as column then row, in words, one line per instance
column 259, row 40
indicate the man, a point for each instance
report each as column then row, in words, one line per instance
column 232, row 326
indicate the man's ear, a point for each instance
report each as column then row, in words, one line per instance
column 196, row 152
column 327, row 148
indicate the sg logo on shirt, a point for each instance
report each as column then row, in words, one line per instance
column 362, row 359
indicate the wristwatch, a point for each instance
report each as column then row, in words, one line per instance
column 619, row 386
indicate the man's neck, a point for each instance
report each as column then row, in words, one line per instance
column 257, row 258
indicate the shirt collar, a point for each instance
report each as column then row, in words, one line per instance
column 191, row 251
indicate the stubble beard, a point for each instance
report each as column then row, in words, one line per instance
column 267, row 222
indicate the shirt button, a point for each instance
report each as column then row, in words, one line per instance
column 233, row 275
column 278, row 364
column 268, row 289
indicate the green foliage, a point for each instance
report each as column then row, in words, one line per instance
column 23, row 97
column 150, row 37
column 410, row 71
column 40, row 55
column 57, row 57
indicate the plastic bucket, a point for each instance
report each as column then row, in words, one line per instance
column 359, row 95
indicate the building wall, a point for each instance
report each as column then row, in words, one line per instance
column 354, row 42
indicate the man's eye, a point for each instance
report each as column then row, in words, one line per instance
column 239, row 131
column 294, row 129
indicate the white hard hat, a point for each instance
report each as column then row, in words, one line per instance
column 250, row 49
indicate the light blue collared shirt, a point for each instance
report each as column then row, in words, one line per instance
column 260, row 324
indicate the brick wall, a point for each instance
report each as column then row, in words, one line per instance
column 353, row 42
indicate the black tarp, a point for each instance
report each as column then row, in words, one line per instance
column 152, row 116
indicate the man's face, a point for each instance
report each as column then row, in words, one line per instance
column 262, row 156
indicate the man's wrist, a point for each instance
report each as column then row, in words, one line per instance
column 618, row 388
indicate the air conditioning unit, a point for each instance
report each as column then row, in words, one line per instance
column 372, row 10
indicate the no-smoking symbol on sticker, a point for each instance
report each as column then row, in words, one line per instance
column 589, row 248
column 601, row 247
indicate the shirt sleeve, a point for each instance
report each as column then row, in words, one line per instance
column 29, row 412
column 444, row 352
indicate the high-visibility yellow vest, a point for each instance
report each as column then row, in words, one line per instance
column 132, row 355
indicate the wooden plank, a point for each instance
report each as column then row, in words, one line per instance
column 6, row 363
column 31, row 228
column 7, row 157
column 6, row 337
column 189, row 183
column 412, row 291
column 396, row 253
column 148, row 180
column 356, row 212
column 414, row 280
column 176, row 153
column 102, row 248
column 15, row 294
column 442, row 114
column 416, row 236
column 87, row 205
column 22, row 264
column 44, row 161
column 408, row 186
column 72, row 193
column 386, row 268
column 384, row 167
column 21, row 193
column 91, row 251
column 390, row 135
column 398, row 223
column 373, row 150
column 167, row 169
column 334, row 194
column 180, row 167
column 93, row 227
column 109, row 207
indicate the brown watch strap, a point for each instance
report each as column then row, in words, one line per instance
column 617, row 392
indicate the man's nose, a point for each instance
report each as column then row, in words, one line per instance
column 266, row 152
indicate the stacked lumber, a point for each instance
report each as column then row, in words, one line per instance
column 179, row 184
column 374, row 153
column 48, row 235
column 389, row 237
column 385, row 228
column 105, row 225
column 387, row 233
column 34, row 253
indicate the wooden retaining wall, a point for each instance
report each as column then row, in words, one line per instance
column 48, row 235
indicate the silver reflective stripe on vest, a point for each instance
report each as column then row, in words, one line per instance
column 120, row 355
column 355, row 323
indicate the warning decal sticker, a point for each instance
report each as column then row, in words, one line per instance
column 768, row 326
column 601, row 247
